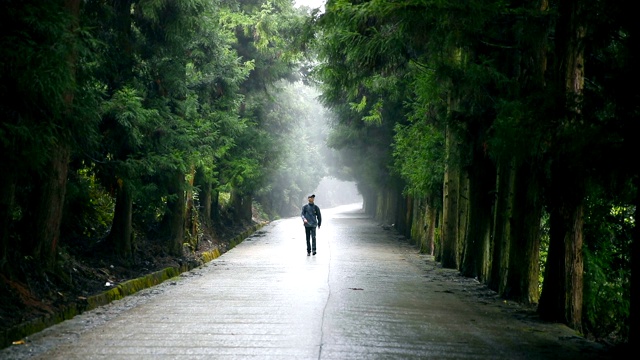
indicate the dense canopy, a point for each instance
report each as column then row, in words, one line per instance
column 495, row 135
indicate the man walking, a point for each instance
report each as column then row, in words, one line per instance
column 311, row 218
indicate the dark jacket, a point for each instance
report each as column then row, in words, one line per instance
column 311, row 212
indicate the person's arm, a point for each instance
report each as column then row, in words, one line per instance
column 319, row 216
column 304, row 219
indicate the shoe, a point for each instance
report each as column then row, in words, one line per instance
column 314, row 253
column 310, row 253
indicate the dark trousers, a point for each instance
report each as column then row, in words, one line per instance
column 310, row 233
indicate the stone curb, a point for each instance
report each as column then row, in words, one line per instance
column 129, row 287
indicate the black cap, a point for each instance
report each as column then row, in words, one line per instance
column 312, row 196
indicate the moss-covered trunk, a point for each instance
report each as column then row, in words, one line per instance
column 451, row 192
column 433, row 216
column 121, row 233
column 561, row 298
column 567, row 185
column 482, row 179
column 464, row 204
column 423, row 224
column 208, row 201
column 522, row 279
column 405, row 215
column 49, row 212
column 191, row 218
column 503, row 213
column 418, row 221
column 387, row 206
column 173, row 221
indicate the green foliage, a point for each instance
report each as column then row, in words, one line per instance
column 296, row 122
column 363, row 76
column 419, row 158
column 544, row 248
column 266, row 33
column 608, row 238
column 36, row 80
column 481, row 68
column 419, row 145
column 224, row 198
column 143, row 92
column 127, row 123
column 88, row 208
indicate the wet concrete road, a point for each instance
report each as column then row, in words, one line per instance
column 367, row 294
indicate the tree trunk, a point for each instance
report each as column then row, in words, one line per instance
column 464, row 205
column 191, row 219
column 54, row 184
column 203, row 204
column 449, row 235
column 432, row 225
column 241, row 204
column 567, row 179
column 369, row 201
column 247, row 208
column 561, row 298
column 416, row 211
column 173, row 221
column 503, row 214
column 405, row 215
column 522, row 278
column 423, row 224
column 121, row 234
column 7, row 200
column 49, row 213
column 574, row 268
column 562, row 292
column 481, row 186
column 521, row 230
column 634, row 317
column 387, row 208
column 215, row 206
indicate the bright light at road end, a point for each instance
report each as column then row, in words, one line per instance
column 313, row 4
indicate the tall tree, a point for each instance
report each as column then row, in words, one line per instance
column 50, row 112
column 516, row 146
column 561, row 297
column 266, row 33
column 123, row 113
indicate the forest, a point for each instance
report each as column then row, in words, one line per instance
column 496, row 136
